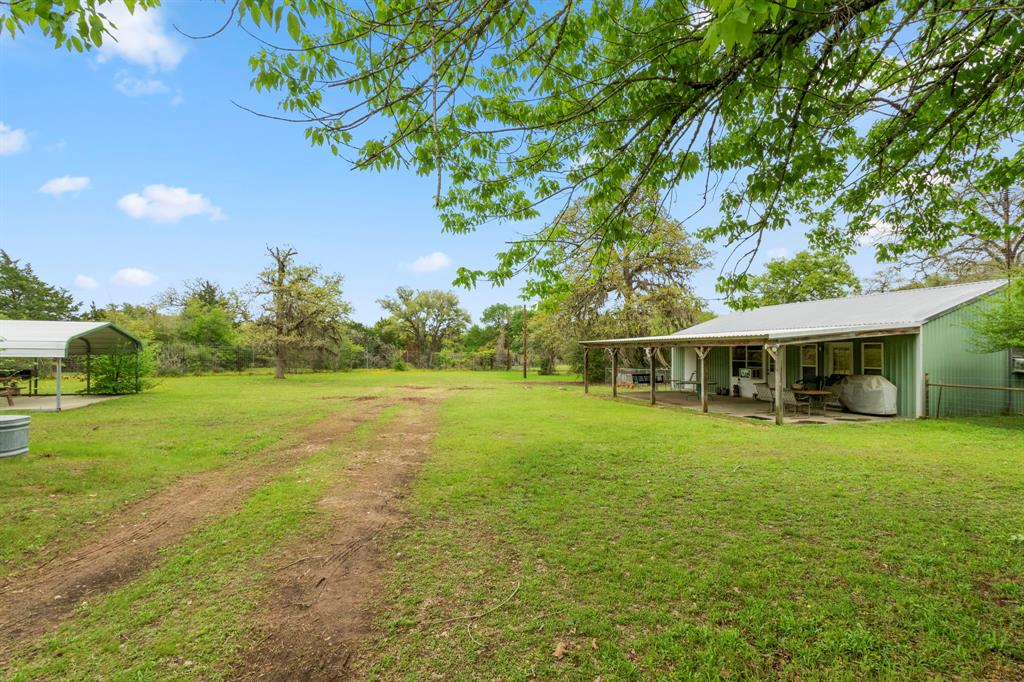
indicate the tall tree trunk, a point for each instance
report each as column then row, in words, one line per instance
column 278, row 361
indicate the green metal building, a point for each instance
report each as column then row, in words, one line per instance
column 904, row 336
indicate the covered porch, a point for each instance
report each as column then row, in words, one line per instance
column 719, row 373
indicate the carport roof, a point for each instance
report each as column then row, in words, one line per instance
column 49, row 339
column 892, row 312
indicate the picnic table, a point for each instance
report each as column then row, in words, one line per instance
column 815, row 397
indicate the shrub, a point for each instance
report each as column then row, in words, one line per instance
column 117, row 373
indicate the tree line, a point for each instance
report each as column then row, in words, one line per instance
column 295, row 316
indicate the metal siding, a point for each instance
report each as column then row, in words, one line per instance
column 948, row 359
column 720, row 368
column 899, row 359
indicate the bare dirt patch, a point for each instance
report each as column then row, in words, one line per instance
column 324, row 587
column 36, row 600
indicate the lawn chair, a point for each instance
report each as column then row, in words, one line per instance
column 789, row 401
column 763, row 392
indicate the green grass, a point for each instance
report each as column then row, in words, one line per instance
column 192, row 613
column 650, row 543
column 659, row 543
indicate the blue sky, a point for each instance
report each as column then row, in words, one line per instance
column 128, row 170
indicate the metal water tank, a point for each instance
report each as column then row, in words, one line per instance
column 13, row 434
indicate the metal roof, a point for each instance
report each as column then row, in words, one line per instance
column 48, row 339
column 891, row 312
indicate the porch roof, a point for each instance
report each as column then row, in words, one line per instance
column 757, row 338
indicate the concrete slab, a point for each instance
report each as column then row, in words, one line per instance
column 748, row 408
column 47, row 403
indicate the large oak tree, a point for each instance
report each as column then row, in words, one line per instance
column 838, row 114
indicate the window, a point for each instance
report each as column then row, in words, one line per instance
column 872, row 358
column 840, row 358
column 747, row 358
column 808, row 361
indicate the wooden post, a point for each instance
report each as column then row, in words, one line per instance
column 615, row 371
column 778, row 353
column 650, row 363
column 925, row 393
column 702, row 355
column 586, row 370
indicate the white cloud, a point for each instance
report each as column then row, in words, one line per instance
column 68, row 183
column 163, row 204
column 133, row 277
column 431, row 263
column 12, row 140
column 137, row 87
column 779, row 252
column 178, row 98
column 57, row 146
column 140, row 38
column 879, row 232
column 85, row 282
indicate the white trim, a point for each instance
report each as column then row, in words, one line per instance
column 863, row 366
column 919, row 371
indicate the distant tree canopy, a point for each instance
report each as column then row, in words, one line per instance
column 645, row 281
column 426, row 318
column 1000, row 326
column 807, row 276
column 840, row 115
column 989, row 244
column 23, row 296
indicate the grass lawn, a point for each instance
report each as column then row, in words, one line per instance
column 556, row 535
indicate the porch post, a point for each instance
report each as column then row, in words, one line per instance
column 59, row 377
column 586, row 370
column 650, row 363
column 88, row 373
column 615, row 371
column 702, row 353
column 779, row 354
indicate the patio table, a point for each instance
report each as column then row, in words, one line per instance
column 815, row 397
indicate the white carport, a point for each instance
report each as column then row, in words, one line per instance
column 45, row 339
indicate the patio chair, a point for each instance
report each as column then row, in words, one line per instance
column 789, row 401
column 763, row 392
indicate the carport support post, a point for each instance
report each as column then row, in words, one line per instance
column 650, row 363
column 59, row 376
column 586, row 370
column 88, row 372
column 702, row 353
column 615, row 371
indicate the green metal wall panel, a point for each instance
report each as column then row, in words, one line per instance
column 949, row 358
column 720, row 368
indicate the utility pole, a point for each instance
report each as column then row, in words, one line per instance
column 525, row 339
